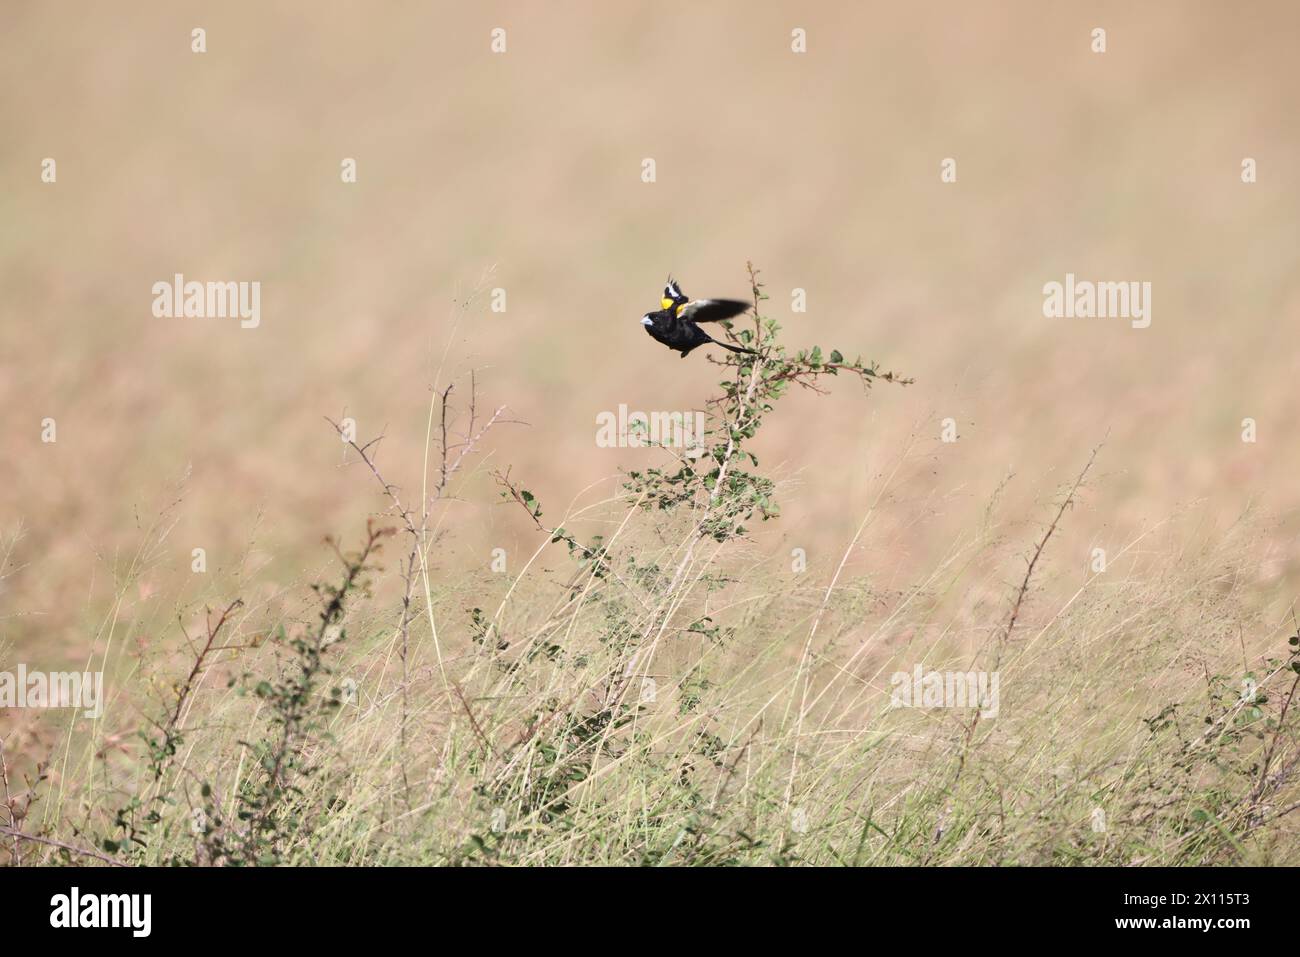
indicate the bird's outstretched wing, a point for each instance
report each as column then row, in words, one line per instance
column 712, row 310
column 673, row 291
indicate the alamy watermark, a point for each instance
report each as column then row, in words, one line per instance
column 53, row 689
column 208, row 300
column 133, row 912
column 622, row 430
column 1084, row 299
column 945, row 689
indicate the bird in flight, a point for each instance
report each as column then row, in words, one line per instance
column 676, row 322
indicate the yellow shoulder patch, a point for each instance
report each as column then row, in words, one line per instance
column 665, row 303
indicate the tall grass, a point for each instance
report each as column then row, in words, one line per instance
column 646, row 689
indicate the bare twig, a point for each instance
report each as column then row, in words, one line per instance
column 183, row 695
column 1021, row 593
column 418, row 531
column 9, row 805
column 84, row 852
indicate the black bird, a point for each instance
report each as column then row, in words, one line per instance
column 675, row 323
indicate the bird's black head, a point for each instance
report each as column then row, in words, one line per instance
column 673, row 295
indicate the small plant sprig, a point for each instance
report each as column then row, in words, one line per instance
column 136, row 820
column 1228, row 776
column 17, row 807
column 298, row 713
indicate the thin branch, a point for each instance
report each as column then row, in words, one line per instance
column 9, row 803
column 84, row 852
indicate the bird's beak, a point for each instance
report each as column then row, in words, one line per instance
column 647, row 321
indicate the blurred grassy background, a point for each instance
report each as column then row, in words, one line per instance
column 822, row 168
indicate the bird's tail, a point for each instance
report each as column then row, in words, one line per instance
column 727, row 345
